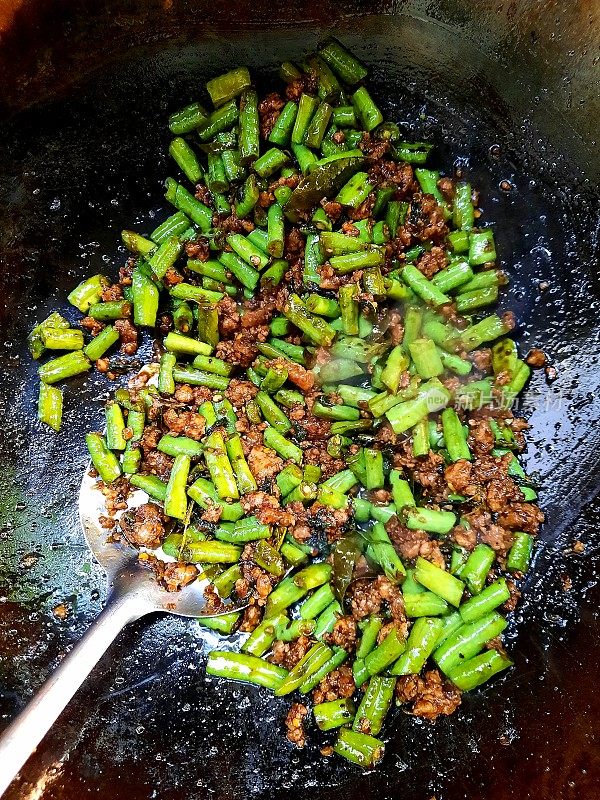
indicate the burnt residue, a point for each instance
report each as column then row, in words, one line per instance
column 73, row 172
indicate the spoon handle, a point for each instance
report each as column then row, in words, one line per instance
column 28, row 729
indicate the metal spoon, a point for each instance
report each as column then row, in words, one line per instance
column 134, row 592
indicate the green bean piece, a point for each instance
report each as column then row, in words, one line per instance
column 429, row 519
column 285, row 594
column 175, row 225
column 50, row 406
column 176, row 497
column 327, row 619
column 421, row 641
column 355, row 191
column 271, row 161
column 315, row 658
column 226, row 580
column 440, row 582
column 211, row 364
column 342, row 62
column 306, row 158
column 467, row 302
column 401, row 490
column 137, row 244
column 208, row 324
column 145, row 296
column 210, row 552
column 186, row 159
column 454, row 436
column 385, row 653
column 219, row 467
column 245, row 479
column 476, row 567
column 245, row 667
column 115, row 425
column 432, row 397
column 463, row 213
column 519, row 555
column 187, row 119
column 263, row 636
column 62, row 338
column 289, row 398
column 481, row 247
column 316, row 329
column 456, row 275
column 366, row 110
column 472, row 673
column 282, row 130
column 381, row 550
column 489, row 278
column 289, row 477
column 359, row 748
column 67, row 366
column 334, row 713
column 487, row 600
column 306, row 109
column 178, row 343
column 246, row 274
column 318, row 125
column 248, row 197
column 338, row 658
column 424, row 604
column 375, row 704
column 104, row 460
column 249, row 126
column 458, row 241
column 185, row 202
column 114, row 309
column 229, row 85
column 468, row 640
column 35, row 344
column 279, row 326
column 87, row 293
column 150, row 484
column 397, row 363
column 273, row 414
column 218, row 121
column 312, row 259
column 425, row 289
column 180, row 445
column 222, row 623
column 281, row 445
column 248, row 529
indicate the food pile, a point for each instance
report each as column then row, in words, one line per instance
column 326, row 433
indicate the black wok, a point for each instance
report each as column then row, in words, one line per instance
column 509, row 91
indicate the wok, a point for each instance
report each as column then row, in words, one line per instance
column 507, row 90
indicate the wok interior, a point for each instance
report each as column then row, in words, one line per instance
column 85, row 101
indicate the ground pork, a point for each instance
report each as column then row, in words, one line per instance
column 431, row 696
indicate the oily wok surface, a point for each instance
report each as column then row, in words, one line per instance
column 86, row 158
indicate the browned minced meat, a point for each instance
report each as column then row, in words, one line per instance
column 115, row 495
column 515, row 594
column 495, row 535
column 522, row 517
column 265, row 507
column 187, row 423
column 332, row 208
column 234, row 224
column 458, row 476
column 264, row 462
column 203, row 194
column 482, row 359
column 425, row 219
column 239, row 392
column 288, row 654
column 184, row 394
column 393, row 326
column 432, row 261
column 229, row 318
column 110, row 293
column 393, row 173
column 128, row 336
column 431, row 696
column 92, row 325
column 294, row 723
column 481, row 437
column 306, row 83
column 464, row 537
column 336, row 685
column 198, row 249
column 502, row 492
column 251, row 618
column 255, row 580
column 157, row 463
column 176, row 575
column 368, row 596
column 269, row 109
column 409, row 544
column 536, row 358
column 343, row 633
column 144, row 526
column 240, row 351
column 446, row 187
